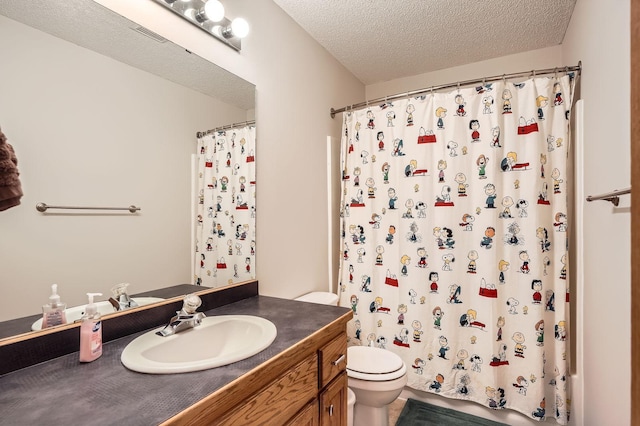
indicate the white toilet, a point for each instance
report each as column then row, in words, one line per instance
column 377, row 377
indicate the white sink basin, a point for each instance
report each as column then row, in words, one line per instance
column 104, row 307
column 218, row 341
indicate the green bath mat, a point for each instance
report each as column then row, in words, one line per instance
column 420, row 413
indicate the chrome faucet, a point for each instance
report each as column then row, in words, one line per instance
column 121, row 300
column 185, row 318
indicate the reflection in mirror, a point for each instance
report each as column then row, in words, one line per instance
column 101, row 114
column 225, row 229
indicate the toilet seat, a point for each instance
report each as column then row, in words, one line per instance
column 374, row 364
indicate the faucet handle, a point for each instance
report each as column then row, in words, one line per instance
column 191, row 302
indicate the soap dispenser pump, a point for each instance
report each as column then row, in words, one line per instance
column 91, row 332
column 53, row 312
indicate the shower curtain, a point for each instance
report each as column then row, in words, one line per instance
column 225, row 227
column 454, row 240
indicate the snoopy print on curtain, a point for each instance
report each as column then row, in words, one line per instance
column 454, row 240
column 225, row 225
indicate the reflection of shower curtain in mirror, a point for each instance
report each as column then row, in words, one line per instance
column 225, row 227
column 454, row 225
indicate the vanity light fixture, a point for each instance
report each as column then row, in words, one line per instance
column 208, row 15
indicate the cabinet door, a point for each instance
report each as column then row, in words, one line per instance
column 308, row 416
column 281, row 400
column 333, row 403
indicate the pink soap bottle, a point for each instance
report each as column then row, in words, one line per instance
column 91, row 332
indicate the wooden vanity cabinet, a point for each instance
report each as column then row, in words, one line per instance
column 306, row 385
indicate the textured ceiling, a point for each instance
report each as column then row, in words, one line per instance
column 90, row 25
column 381, row 40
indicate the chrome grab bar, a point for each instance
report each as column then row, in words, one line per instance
column 42, row 207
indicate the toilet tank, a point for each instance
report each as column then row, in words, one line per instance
column 321, row 297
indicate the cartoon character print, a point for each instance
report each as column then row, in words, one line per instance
column 472, row 265
column 487, row 101
column 495, row 137
column 404, row 261
column 519, row 339
column 557, row 89
column 487, row 240
column 433, row 277
column 437, row 317
column 410, row 110
column 462, row 356
column 441, row 113
column 422, row 254
column 474, row 126
column 555, row 175
column 481, row 162
column 541, row 103
column 506, row 101
column 543, row 236
column 417, row 331
column 503, row 266
column 442, row 166
column 452, row 146
column 436, row 385
column 385, row 172
column 380, row 138
column 402, row 310
column 448, row 260
column 418, row 366
column 459, row 100
column 370, row 120
column 390, row 117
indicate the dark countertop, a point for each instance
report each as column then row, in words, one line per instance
column 103, row 392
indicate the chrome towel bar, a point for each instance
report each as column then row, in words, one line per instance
column 42, row 207
column 613, row 196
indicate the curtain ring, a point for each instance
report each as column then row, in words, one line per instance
column 484, row 81
column 533, row 72
column 504, row 78
column 556, row 72
column 458, row 87
column 566, row 69
column 431, row 90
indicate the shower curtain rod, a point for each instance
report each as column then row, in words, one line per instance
column 458, row 84
column 227, row 127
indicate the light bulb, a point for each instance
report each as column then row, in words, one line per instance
column 214, row 10
column 240, row 27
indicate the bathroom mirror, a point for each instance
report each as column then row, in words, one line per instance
column 101, row 112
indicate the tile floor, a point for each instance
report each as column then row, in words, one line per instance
column 395, row 408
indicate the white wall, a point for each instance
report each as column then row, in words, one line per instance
column 549, row 57
column 92, row 131
column 599, row 36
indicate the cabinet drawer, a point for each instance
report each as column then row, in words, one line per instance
column 281, row 400
column 333, row 359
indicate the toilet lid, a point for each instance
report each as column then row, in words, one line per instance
column 374, row 364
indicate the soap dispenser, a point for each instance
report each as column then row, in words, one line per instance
column 91, row 332
column 53, row 312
